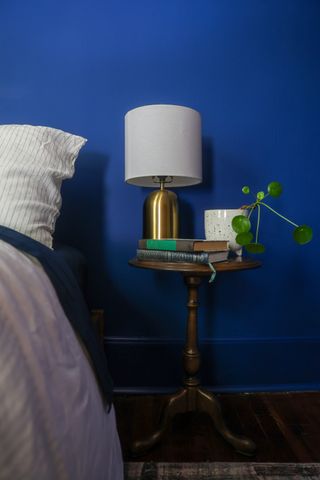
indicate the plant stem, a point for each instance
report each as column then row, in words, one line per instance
column 258, row 223
column 279, row 215
column 250, row 213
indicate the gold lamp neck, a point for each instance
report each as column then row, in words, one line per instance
column 162, row 180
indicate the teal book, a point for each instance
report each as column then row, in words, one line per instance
column 185, row 257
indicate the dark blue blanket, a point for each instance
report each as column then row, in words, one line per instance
column 71, row 299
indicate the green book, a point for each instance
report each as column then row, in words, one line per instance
column 165, row 244
column 183, row 244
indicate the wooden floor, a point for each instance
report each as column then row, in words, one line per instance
column 285, row 427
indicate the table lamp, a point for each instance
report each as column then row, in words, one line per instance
column 162, row 147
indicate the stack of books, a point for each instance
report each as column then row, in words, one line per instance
column 183, row 250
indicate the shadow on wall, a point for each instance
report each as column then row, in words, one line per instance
column 186, row 215
column 80, row 224
column 189, row 224
column 83, row 225
column 208, row 158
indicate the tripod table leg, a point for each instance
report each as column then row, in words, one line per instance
column 178, row 403
column 208, row 403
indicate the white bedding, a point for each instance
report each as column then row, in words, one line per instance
column 52, row 421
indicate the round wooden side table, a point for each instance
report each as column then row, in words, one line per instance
column 192, row 396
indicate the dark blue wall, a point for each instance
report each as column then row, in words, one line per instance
column 252, row 69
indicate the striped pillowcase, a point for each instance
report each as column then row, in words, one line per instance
column 33, row 163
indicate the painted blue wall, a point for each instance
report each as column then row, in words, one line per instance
column 252, row 69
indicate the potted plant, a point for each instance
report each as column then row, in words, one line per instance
column 242, row 224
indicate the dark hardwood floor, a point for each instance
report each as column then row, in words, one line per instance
column 285, row 427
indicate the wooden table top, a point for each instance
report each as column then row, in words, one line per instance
column 232, row 264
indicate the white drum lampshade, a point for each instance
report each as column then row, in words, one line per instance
column 162, row 146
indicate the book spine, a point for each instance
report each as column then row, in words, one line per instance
column 172, row 256
column 157, row 244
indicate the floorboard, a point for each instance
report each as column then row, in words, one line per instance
column 285, row 427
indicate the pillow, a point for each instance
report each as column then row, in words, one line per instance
column 33, row 162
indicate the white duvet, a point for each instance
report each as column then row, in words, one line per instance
column 52, row 421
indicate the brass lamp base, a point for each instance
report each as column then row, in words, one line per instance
column 160, row 215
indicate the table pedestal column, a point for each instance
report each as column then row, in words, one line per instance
column 192, row 397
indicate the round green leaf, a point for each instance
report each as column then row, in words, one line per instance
column 260, row 195
column 255, row 248
column 275, row 189
column 303, row 234
column 241, row 224
column 245, row 190
column 244, row 238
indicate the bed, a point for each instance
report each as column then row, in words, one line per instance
column 54, row 423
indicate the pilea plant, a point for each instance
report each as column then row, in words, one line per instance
column 241, row 224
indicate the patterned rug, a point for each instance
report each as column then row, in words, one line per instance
column 221, row 471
